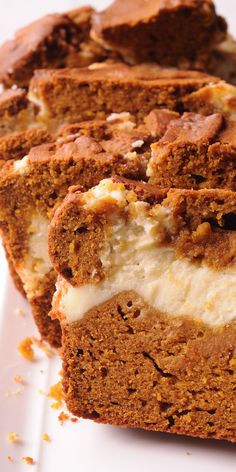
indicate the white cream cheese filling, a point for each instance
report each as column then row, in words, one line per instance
column 37, row 263
column 22, row 166
column 134, row 259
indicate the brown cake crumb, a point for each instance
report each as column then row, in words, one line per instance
column 46, row 437
column 20, row 312
column 43, row 346
column 28, row 460
column 13, row 437
column 63, row 417
column 56, row 393
column 73, row 419
column 26, row 350
column 18, row 379
column 126, row 362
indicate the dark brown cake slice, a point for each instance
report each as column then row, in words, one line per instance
column 178, row 33
column 56, row 40
column 146, row 301
column 31, row 188
column 196, row 152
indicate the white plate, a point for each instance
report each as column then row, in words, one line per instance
column 83, row 446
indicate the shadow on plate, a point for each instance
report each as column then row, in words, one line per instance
column 142, row 437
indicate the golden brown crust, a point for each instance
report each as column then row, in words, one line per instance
column 149, row 31
column 128, row 365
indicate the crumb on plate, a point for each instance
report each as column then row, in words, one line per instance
column 46, row 437
column 63, row 417
column 26, row 350
column 28, row 460
column 56, row 392
column 13, row 437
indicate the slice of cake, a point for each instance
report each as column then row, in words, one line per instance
column 180, row 33
column 56, row 40
column 195, row 152
column 31, row 188
column 14, row 147
column 60, row 97
column 72, row 95
column 146, row 300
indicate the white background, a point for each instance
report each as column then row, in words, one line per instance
column 85, row 446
